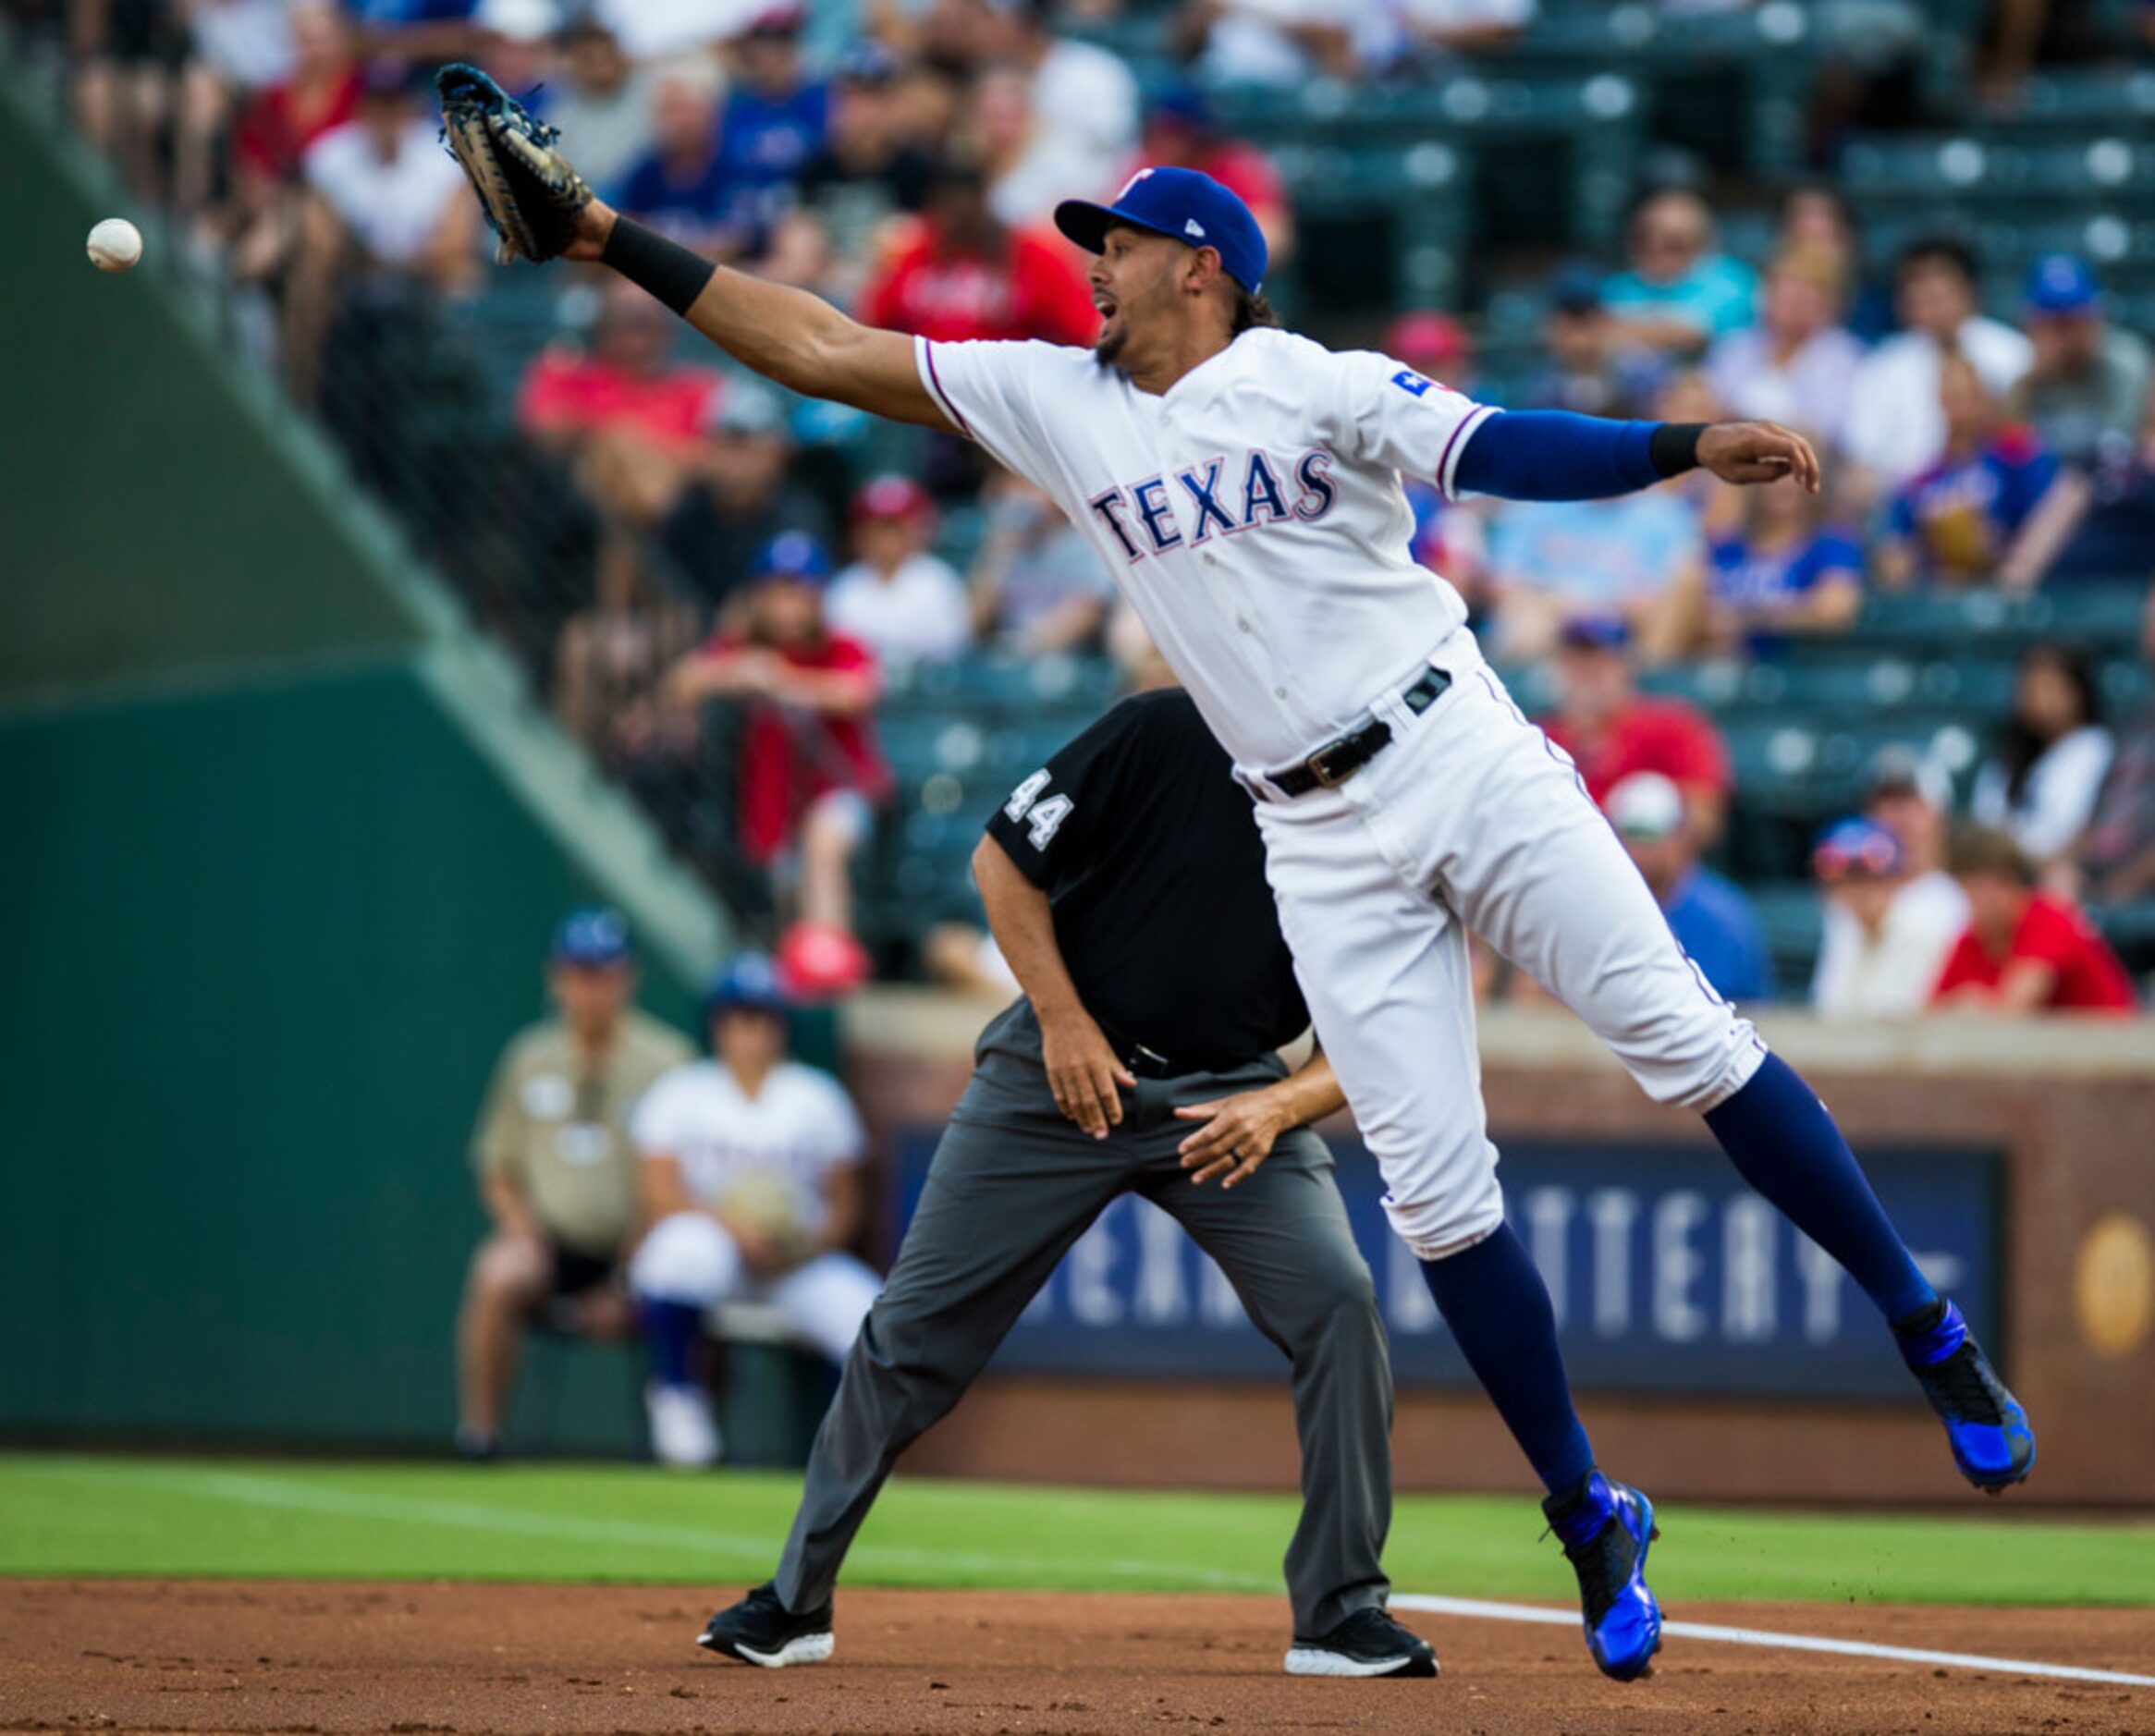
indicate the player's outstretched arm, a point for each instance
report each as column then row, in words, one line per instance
column 1555, row 455
column 786, row 335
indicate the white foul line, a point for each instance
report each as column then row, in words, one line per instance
column 1475, row 1606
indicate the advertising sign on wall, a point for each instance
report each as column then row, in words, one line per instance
column 1668, row 1274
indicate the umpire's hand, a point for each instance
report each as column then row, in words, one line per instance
column 1237, row 1136
column 1082, row 1072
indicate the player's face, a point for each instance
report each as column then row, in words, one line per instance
column 592, row 997
column 749, row 1041
column 1136, row 287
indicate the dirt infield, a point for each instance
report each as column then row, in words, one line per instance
column 433, row 1659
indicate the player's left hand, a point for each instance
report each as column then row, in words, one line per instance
column 1759, row 452
column 1236, row 1138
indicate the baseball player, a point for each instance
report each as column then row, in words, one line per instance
column 751, row 1185
column 1125, row 883
column 1243, row 486
column 556, row 1172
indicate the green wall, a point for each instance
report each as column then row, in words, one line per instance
column 152, row 522
column 265, row 946
column 269, row 915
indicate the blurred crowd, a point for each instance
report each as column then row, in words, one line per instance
column 1924, row 909
column 762, row 560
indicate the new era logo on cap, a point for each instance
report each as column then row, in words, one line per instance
column 1193, row 227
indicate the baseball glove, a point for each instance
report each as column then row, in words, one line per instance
column 527, row 189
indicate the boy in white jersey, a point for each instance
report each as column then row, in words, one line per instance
column 752, row 1184
column 1243, row 486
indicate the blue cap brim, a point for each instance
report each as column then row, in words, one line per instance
column 578, row 960
column 1087, row 223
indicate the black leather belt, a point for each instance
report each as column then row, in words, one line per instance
column 1144, row 1062
column 1150, row 1063
column 1336, row 761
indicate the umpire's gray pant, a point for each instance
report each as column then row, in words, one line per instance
column 1014, row 1184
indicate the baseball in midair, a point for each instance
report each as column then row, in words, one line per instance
column 114, row 244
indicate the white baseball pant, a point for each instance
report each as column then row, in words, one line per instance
column 689, row 1257
column 1471, row 819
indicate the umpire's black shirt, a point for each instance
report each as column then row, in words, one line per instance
column 1148, row 851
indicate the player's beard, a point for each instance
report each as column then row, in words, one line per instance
column 1108, row 346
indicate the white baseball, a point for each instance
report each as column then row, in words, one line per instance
column 114, row 244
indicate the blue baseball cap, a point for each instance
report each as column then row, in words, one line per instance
column 1596, row 631
column 1575, row 287
column 592, row 937
column 1191, row 208
column 750, row 983
column 2061, row 282
column 793, row 555
column 1856, row 847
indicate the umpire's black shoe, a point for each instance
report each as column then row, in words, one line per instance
column 761, row 1629
column 1368, row 1642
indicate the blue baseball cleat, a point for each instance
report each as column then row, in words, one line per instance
column 1605, row 1528
column 1992, row 1441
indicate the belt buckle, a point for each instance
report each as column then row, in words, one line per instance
column 1320, row 764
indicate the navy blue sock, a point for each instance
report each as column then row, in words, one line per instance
column 1492, row 1297
column 1785, row 1145
column 671, row 1328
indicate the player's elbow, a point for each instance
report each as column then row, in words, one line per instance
column 822, row 356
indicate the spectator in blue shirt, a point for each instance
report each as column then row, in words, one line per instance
column 412, row 29
column 1781, row 570
column 1682, row 291
column 1713, row 921
column 1960, row 521
column 679, row 185
column 776, row 124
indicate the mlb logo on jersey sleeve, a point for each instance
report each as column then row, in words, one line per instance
column 1411, row 383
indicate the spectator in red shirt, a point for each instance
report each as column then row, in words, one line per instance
column 959, row 273
column 322, row 91
column 621, row 412
column 1611, row 731
column 810, row 772
column 1181, row 130
column 259, row 219
column 2024, row 951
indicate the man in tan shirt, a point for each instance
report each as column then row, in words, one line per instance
column 555, row 1169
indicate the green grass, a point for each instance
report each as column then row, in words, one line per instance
column 84, row 1515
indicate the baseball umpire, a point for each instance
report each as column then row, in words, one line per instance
column 1125, row 883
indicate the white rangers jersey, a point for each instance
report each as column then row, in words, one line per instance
column 1253, row 513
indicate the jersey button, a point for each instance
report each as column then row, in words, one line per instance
column 1243, row 621
column 1211, row 559
column 1278, row 692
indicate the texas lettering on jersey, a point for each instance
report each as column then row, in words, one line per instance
column 1253, row 513
column 1142, row 515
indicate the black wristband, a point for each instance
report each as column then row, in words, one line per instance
column 666, row 269
column 1674, row 447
